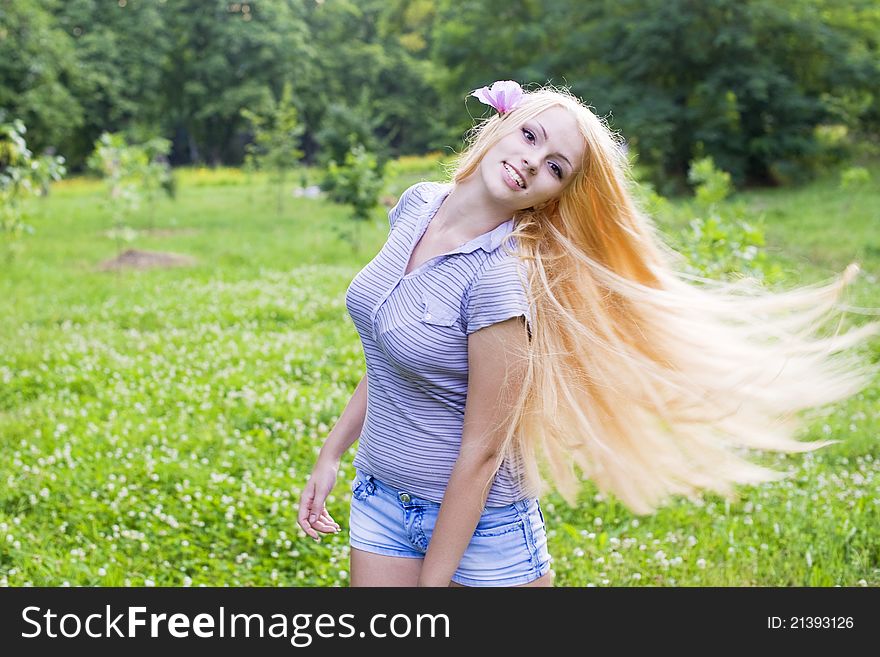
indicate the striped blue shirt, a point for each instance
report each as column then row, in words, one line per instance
column 414, row 330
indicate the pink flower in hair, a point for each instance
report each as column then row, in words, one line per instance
column 503, row 95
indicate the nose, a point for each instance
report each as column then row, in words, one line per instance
column 528, row 167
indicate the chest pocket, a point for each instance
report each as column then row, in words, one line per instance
column 429, row 344
column 436, row 312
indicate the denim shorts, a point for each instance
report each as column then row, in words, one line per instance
column 508, row 548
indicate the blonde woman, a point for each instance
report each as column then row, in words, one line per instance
column 524, row 328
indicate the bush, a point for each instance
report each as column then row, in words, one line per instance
column 21, row 174
column 721, row 241
column 356, row 183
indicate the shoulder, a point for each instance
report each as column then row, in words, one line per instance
column 500, row 268
column 417, row 192
column 415, row 197
column 498, row 291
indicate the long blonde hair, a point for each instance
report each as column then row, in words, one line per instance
column 649, row 381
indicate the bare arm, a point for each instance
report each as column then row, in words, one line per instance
column 348, row 427
column 488, row 401
column 313, row 515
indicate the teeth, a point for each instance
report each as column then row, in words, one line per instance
column 513, row 174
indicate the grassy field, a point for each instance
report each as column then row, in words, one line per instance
column 157, row 426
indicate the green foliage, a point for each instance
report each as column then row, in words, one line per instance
column 346, row 122
column 276, row 134
column 855, row 178
column 131, row 172
column 356, row 183
column 774, row 92
column 118, row 163
column 745, row 82
column 722, row 241
column 429, row 165
column 155, row 173
column 375, row 84
column 39, row 76
column 652, row 202
column 712, row 185
column 226, row 57
column 409, row 169
column 21, row 174
column 732, row 81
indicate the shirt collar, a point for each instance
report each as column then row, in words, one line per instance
column 487, row 241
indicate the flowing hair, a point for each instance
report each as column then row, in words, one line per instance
column 650, row 381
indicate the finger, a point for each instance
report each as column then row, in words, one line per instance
column 325, row 515
column 314, row 512
column 308, row 529
column 327, row 519
column 322, row 515
column 304, row 511
column 305, row 505
column 322, row 522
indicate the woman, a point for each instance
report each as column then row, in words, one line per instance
column 623, row 371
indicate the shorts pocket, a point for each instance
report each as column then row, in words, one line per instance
column 414, row 521
column 361, row 488
column 499, row 520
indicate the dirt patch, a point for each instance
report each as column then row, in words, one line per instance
column 134, row 259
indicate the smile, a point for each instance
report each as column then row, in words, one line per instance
column 513, row 176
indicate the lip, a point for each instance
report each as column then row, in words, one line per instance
column 511, row 180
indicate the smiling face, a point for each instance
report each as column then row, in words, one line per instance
column 536, row 161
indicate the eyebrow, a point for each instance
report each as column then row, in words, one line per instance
column 559, row 154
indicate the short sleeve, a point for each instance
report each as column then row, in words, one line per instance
column 498, row 294
column 410, row 195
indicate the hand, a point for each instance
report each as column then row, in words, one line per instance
column 313, row 516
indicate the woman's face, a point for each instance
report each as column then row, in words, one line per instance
column 544, row 152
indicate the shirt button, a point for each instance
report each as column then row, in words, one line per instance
column 427, row 315
column 404, row 497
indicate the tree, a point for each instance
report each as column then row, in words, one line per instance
column 37, row 70
column 129, row 170
column 276, row 134
column 120, row 54
column 744, row 81
column 228, row 57
column 380, row 82
column 155, row 173
column 747, row 82
column 21, row 175
column 357, row 183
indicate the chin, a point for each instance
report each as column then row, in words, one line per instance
column 495, row 185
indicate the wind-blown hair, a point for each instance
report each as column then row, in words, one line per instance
column 650, row 381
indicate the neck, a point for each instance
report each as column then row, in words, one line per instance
column 468, row 211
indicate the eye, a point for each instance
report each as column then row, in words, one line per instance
column 557, row 170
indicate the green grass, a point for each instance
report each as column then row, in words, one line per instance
column 157, row 426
